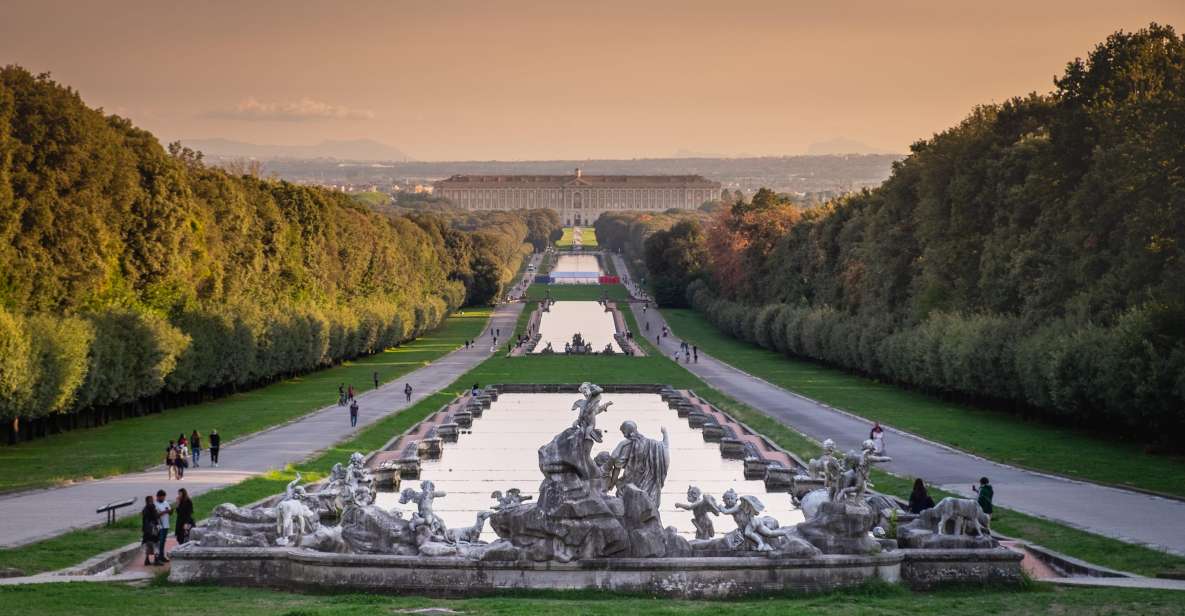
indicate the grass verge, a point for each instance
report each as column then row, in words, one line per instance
column 115, row 600
column 991, row 434
column 577, row 292
column 137, row 443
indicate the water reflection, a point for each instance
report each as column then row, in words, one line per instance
column 502, row 452
column 576, row 269
column 589, row 319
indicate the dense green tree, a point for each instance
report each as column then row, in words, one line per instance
column 133, row 277
column 1031, row 256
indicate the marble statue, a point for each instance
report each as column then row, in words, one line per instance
column 854, row 482
column 603, row 472
column 590, row 406
column 956, row 513
column 294, row 517
column 700, row 505
column 642, row 461
column 512, row 498
column 954, row 523
column 468, row 534
column 754, row 528
column 423, row 499
column 827, row 467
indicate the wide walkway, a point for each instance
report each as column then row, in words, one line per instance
column 32, row 516
column 1113, row 512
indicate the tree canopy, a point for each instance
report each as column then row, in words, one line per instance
column 1031, row 255
column 128, row 272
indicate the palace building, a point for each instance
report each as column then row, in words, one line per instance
column 580, row 199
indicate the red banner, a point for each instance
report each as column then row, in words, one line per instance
column 609, row 280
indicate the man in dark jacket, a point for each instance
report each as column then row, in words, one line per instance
column 985, row 492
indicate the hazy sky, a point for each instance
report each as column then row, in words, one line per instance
column 556, row 79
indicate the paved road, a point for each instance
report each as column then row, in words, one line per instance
column 31, row 516
column 1122, row 514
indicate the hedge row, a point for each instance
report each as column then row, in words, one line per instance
column 55, row 364
column 1123, row 378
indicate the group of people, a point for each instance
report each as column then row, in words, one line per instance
column 155, row 517
column 187, row 451
column 919, row 498
column 347, row 398
column 687, row 353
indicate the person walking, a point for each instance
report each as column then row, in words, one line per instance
column 877, row 434
column 149, row 530
column 215, row 447
column 185, row 521
column 695, row 353
column 353, row 413
column 341, row 394
column 376, row 379
column 182, row 458
column 407, row 391
column 919, row 499
column 163, row 509
column 171, row 459
column 986, row 494
column 195, row 443
column 350, row 394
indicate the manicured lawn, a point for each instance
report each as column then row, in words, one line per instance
column 991, row 434
column 577, row 292
column 136, row 443
column 655, row 368
column 118, row 599
column 588, row 237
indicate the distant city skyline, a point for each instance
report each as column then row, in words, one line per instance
column 538, row 81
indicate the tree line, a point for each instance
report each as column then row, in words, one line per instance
column 1030, row 257
column 133, row 278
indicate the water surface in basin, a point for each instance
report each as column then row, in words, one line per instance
column 501, row 452
column 565, row 319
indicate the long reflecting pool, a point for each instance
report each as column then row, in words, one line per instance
column 501, row 452
column 564, row 319
column 576, row 269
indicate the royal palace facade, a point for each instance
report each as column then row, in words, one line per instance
column 579, row 199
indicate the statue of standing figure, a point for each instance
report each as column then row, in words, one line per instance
column 642, row 461
column 590, row 406
column 700, row 505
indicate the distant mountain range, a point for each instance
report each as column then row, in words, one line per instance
column 355, row 149
column 841, row 145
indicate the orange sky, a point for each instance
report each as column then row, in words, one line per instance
column 555, row 79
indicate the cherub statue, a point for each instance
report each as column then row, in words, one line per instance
column 590, row 406
column 423, row 499
column 744, row 511
column 854, row 482
column 513, row 497
column 700, row 505
column 827, row 467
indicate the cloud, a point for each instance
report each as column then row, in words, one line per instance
column 302, row 110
